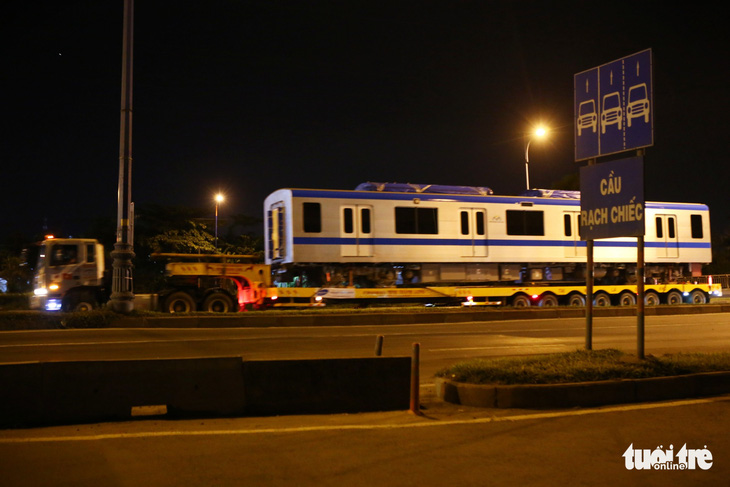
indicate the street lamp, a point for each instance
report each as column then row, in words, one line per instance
column 539, row 133
column 218, row 200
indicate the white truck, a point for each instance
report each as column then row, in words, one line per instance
column 71, row 275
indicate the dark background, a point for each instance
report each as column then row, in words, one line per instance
column 249, row 96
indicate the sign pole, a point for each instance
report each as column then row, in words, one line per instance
column 640, row 297
column 589, row 295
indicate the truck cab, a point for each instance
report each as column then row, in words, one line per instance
column 69, row 275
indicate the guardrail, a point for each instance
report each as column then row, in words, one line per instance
column 723, row 279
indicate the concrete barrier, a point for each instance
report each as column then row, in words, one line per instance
column 327, row 385
column 584, row 394
column 44, row 393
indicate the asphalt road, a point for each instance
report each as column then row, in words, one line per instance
column 447, row 445
column 441, row 344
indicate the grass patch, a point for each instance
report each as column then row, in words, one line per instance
column 581, row 366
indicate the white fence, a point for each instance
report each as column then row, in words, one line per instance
column 723, row 279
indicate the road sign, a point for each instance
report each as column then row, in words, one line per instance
column 612, row 199
column 613, row 107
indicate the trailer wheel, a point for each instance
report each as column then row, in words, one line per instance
column 218, row 303
column 548, row 300
column 698, row 297
column 651, row 298
column 179, row 302
column 674, row 297
column 577, row 299
column 521, row 301
column 627, row 298
column 601, row 299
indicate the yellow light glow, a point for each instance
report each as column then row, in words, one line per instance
column 219, row 198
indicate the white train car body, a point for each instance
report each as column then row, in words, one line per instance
column 470, row 237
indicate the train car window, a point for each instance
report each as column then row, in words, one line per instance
column 416, row 220
column 659, row 228
column 480, row 222
column 696, row 223
column 312, row 213
column 670, row 227
column 365, row 220
column 465, row 223
column 521, row 222
column 568, row 227
column 347, row 220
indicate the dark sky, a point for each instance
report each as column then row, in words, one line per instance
column 250, row 96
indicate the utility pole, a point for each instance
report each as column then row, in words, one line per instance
column 122, row 296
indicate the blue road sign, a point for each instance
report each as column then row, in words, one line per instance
column 614, row 108
column 612, row 199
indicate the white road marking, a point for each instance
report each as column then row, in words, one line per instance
column 361, row 427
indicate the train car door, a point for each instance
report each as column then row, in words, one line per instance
column 666, row 235
column 574, row 246
column 356, row 230
column 473, row 232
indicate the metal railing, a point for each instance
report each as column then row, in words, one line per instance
column 723, row 279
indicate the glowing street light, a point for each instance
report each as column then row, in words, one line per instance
column 539, row 133
column 218, row 200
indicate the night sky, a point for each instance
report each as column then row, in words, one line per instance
column 249, row 96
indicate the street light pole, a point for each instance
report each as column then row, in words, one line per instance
column 122, row 295
column 218, row 200
column 539, row 133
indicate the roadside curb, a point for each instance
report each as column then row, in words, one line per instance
column 583, row 394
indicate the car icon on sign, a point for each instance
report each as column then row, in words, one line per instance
column 638, row 105
column 587, row 116
column 611, row 112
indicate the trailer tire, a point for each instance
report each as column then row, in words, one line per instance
column 651, row 298
column 698, row 297
column 674, row 297
column 601, row 299
column 627, row 298
column 218, row 303
column 521, row 301
column 548, row 300
column 179, row 302
column 577, row 300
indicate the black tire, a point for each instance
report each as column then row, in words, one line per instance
column 218, row 303
column 548, row 300
column 601, row 300
column 521, row 301
column 577, row 300
column 674, row 298
column 627, row 298
column 698, row 297
column 80, row 301
column 179, row 302
column 651, row 298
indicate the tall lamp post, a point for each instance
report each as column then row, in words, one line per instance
column 218, row 200
column 539, row 133
column 122, row 295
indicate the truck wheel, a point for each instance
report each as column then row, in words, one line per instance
column 179, row 302
column 674, row 297
column 698, row 297
column 521, row 301
column 218, row 303
column 601, row 299
column 548, row 300
column 651, row 298
column 627, row 298
column 79, row 301
column 577, row 300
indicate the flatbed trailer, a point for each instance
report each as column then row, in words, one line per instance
column 517, row 295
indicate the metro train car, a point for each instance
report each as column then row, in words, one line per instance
column 389, row 234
